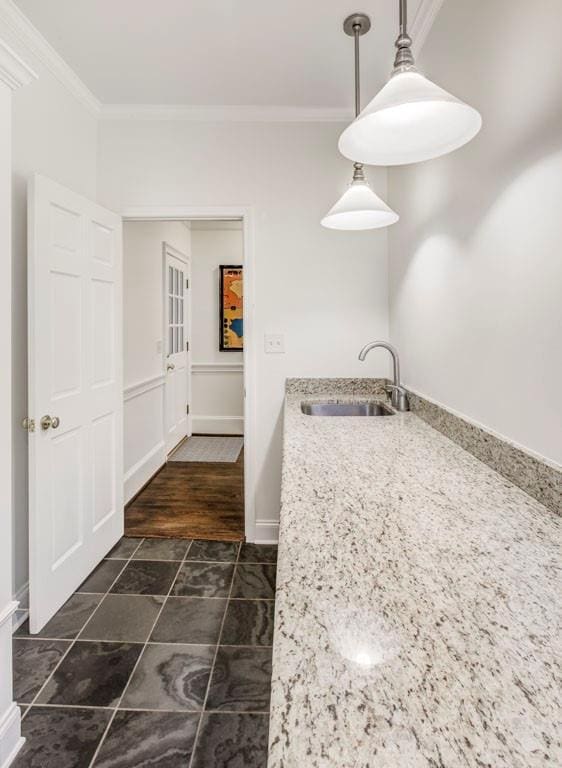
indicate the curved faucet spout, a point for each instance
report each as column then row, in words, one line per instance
column 393, row 351
column 398, row 395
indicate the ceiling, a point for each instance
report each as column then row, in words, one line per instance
column 289, row 53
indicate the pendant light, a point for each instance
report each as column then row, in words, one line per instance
column 410, row 119
column 359, row 207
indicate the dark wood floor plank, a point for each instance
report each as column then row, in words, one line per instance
column 191, row 500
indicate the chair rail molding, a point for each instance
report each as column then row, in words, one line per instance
column 142, row 387
column 210, row 368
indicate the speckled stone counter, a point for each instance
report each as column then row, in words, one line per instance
column 419, row 604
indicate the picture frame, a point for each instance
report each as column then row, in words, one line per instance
column 231, row 307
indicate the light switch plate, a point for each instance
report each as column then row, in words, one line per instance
column 274, row 344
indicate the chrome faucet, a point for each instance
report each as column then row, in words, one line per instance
column 398, row 395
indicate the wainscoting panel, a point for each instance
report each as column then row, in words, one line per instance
column 218, row 398
column 145, row 450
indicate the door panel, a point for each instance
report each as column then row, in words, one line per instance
column 65, row 452
column 66, row 322
column 103, row 485
column 177, row 357
column 103, row 328
column 75, row 375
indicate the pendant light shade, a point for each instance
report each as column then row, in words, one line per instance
column 359, row 208
column 411, row 119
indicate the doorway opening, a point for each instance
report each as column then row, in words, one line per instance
column 187, row 370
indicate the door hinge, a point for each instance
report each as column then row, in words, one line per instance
column 28, row 424
column 187, row 408
column 187, row 346
column 187, row 284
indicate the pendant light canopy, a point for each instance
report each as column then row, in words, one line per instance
column 411, row 119
column 359, row 207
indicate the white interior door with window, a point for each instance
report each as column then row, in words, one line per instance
column 176, row 340
column 75, row 419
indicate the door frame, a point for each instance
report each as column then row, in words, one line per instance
column 246, row 214
column 185, row 259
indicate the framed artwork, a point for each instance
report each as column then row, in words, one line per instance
column 231, row 302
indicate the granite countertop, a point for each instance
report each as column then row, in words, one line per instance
column 419, row 604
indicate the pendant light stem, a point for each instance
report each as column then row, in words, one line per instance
column 404, row 60
column 356, row 25
column 403, row 17
column 358, row 172
column 356, row 34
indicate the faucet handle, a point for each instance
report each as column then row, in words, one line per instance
column 398, row 397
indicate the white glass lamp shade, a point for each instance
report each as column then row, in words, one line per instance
column 359, row 208
column 410, row 119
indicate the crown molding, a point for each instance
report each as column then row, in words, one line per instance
column 13, row 70
column 423, row 21
column 26, row 33
column 234, row 114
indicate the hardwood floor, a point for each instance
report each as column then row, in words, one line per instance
column 191, row 500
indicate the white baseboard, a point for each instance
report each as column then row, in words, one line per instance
column 22, row 596
column 11, row 740
column 218, row 425
column 143, row 470
column 22, row 611
column 266, row 532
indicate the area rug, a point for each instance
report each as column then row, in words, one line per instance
column 209, row 449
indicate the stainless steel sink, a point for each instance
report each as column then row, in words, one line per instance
column 370, row 408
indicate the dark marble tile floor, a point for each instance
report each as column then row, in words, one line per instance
column 162, row 658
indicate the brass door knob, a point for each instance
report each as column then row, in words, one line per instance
column 49, row 421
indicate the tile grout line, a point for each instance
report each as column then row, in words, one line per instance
column 212, row 670
column 78, row 638
column 75, row 639
column 97, row 708
column 129, row 594
column 148, row 642
column 104, row 595
column 141, row 654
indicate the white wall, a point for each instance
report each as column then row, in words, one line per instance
column 325, row 291
column 475, row 262
column 55, row 135
column 144, row 446
column 217, row 400
column 11, row 76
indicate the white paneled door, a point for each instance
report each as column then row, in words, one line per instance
column 75, row 391
column 176, row 345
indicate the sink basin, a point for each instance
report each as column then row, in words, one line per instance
column 371, row 408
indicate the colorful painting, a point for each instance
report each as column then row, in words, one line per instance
column 231, row 308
